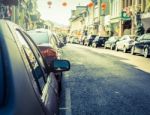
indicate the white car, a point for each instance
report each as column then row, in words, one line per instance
column 125, row 43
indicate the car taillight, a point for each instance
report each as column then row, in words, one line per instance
column 49, row 52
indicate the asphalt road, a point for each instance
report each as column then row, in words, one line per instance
column 105, row 82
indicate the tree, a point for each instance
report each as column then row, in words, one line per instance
column 140, row 29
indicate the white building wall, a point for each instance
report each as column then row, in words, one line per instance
column 116, row 8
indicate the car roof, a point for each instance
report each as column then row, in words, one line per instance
column 40, row 30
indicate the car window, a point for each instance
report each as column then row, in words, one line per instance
column 34, row 64
column 112, row 39
column 147, row 37
column 39, row 37
column 123, row 38
column 1, row 81
column 140, row 38
column 97, row 38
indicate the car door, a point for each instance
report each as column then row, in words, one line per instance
column 45, row 84
column 147, row 40
column 111, row 41
column 120, row 43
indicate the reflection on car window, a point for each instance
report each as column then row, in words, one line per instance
column 1, row 81
column 35, row 67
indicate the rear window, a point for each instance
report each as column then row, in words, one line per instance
column 39, row 37
column 1, row 81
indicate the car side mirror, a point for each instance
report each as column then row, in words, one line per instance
column 60, row 66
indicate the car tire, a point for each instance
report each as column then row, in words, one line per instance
column 132, row 50
column 146, row 52
column 116, row 48
column 111, row 47
column 94, row 45
column 124, row 49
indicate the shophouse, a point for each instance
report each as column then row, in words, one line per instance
column 78, row 21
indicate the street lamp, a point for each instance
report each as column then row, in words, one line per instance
column 90, row 5
column 64, row 4
column 49, row 3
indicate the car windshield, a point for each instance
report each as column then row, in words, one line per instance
column 39, row 37
column 112, row 39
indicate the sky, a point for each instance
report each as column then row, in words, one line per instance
column 58, row 13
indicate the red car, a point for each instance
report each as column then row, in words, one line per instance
column 47, row 43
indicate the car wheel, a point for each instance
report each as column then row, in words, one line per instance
column 124, row 49
column 132, row 50
column 94, row 45
column 116, row 48
column 146, row 52
column 111, row 47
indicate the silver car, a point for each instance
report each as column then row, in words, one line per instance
column 125, row 43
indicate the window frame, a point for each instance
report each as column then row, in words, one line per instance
column 37, row 53
column 29, row 62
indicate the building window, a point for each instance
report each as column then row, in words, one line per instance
column 130, row 2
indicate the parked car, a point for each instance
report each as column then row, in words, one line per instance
column 47, row 43
column 27, row 86
column 75, row 40
column 49, row 46
column 142, row 45
column 111, row 42
column 125, row 43
column 89, row 40
column 99, row 41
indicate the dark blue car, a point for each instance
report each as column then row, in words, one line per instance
column 27, row 85
column 99, row 41
column 142, row 45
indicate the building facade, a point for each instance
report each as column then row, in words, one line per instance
column 78, row 21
